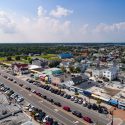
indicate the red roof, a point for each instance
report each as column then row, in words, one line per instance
column 21, row 65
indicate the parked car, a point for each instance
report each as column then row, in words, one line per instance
column 50, row 100
column 72, row 98
column 20, row 99
column 76, row 113
column 67, row 108
column 45, row 119
column 15, row 81
column 57, row 103
column 89, row 106
column 80, row 100
column 62, row 93
column 76, row 100
column 28, row 88
column 68, row 97
column 85, row 103
column 38, row 93
column 87, row 119
column 21, row 85
column 94, row 107
column 55, row 123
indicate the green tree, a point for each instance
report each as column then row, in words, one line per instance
column 54, row 64
column 9, row 58
column 77, row 70
column 63, row 69
column 17, row 58
column 29, row 60
column 71, row 68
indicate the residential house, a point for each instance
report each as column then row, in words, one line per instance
column 39, row 62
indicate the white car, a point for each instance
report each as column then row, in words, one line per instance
column 45, row 119
column 20, row 99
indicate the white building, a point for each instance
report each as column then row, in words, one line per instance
column 97, row 73
column 111, row 73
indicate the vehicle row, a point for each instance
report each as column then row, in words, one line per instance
column 11, row 93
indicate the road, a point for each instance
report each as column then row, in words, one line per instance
column 96, row 117
column 53, row 111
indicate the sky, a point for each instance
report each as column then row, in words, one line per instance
column 62, row 21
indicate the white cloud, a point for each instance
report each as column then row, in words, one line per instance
column 60, row 11
column 41, row 11
column 46, row 28
column 7, row 24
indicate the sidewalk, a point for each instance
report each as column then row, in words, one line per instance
column 85, row 97
column 119, row 113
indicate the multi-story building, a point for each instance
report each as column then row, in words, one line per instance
column 111, row 73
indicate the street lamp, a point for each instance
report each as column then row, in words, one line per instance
column 112, row 113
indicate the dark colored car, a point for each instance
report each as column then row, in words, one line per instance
column 28, row 88
column 55, row 123
column 94, row 107
column 44, row 96
column 78, row 114
column 21, row 85
column 59, row 92
column 89, row 106
column 50, row 100
column 57, row 103
column 68, row 97
column 62, row 93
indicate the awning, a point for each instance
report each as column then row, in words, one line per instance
column 95, row 96
column 104, row 99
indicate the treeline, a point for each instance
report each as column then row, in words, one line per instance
column 18, row 49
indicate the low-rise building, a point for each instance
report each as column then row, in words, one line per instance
column 39, row 62
column 20, row 68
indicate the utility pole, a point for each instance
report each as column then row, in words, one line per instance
column 112, row 113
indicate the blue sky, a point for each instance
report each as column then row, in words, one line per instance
column 95, row 20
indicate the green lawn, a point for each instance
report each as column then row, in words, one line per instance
column 2, row 58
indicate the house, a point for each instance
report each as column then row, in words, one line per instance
column 97, row 73
column 66, row 64
column 20, row 68
column 39, row 62
column 77, row 80
column 111, row 73
column 65, row 55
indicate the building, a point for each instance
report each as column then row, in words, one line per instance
column 97, row 73
column 53, row 71
column 110, row 73
column 20, row 68
column 39, row 62
column 65, row 55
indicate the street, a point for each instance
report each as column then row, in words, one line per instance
column 51, row 109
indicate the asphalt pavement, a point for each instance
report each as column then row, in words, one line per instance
column 101, row 119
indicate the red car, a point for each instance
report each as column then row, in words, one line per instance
column 37, row 93
column 66, row 108
column 87, row 119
